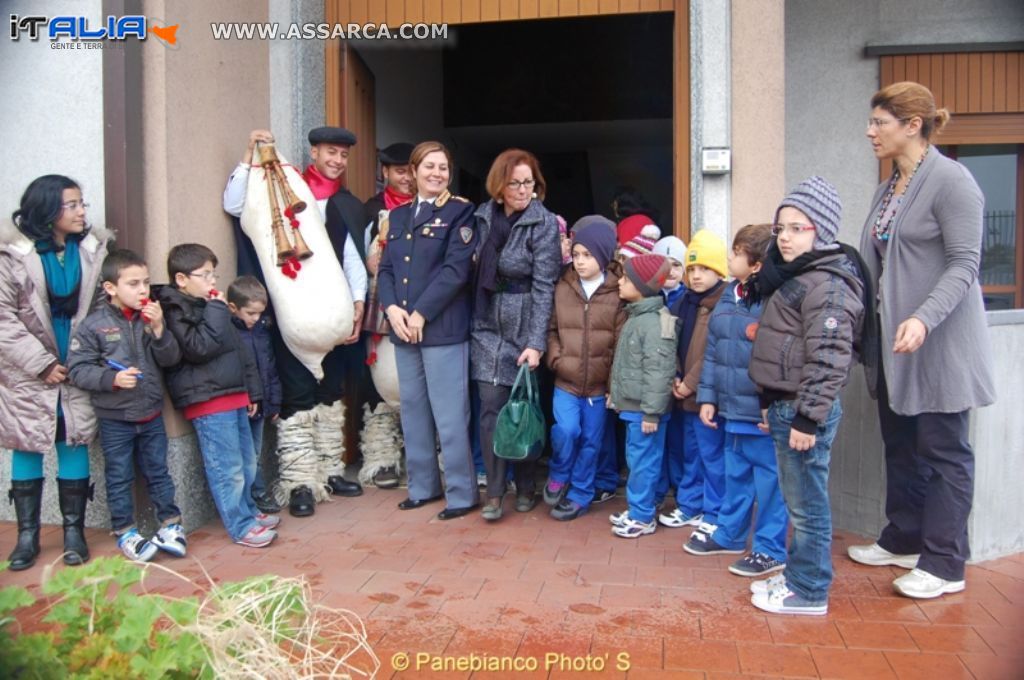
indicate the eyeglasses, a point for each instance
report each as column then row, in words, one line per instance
column 71, row 205
column 515, row 184
column 879, row 123
column 209, row 277
column 792, row 229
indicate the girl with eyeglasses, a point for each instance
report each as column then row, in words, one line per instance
column 49, row 281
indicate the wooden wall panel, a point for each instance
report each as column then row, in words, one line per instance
column 976, row 82
column 394, row 12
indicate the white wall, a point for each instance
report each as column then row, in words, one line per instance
column 51, row 111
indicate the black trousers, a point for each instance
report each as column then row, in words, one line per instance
column 492, row 398
column 300, row 391
column 929, row 467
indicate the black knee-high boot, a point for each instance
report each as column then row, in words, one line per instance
column 74, row 494
column 27, row 496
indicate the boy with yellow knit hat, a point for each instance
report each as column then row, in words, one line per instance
column 700, row 492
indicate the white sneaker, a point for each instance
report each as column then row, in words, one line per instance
column 171, row 538
column 782, row 600
column 765, row 585
column 876, row 556
column 619, row 519
column 135, row 547
column 924, row 586
column 634, row 529
column 268, row 521
column 677, row 518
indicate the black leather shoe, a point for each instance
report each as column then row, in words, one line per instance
column 301, row 502
column 342, row 487
column 410, row 504
column 266, row 503
column 386, row 478
column 452, row 513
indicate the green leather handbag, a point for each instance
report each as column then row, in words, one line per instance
column 520, row 431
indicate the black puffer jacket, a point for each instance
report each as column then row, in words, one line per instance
column 107, row 335
column 805, row 343
column 215, row 362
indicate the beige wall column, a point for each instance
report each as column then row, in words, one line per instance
column 199, row 99
column 758, row 110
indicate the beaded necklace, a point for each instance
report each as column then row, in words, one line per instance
column 881, row 231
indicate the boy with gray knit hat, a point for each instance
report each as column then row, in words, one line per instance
column 641, row 387
column 805, row 344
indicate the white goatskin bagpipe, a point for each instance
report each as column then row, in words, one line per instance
column 381, row 439
column 312, row 300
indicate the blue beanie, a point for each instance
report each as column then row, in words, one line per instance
column 596, row 234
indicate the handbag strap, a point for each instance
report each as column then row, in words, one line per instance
column 530, row 387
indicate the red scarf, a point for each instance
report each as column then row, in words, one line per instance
column 394, row 198
column 321, row 186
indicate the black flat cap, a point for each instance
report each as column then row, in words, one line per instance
column 396, row 154
column 331, row 135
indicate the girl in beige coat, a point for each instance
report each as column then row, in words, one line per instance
column 49, row 273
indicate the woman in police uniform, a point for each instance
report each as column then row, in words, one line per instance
column 424, row 288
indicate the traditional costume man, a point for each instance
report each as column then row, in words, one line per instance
column 310, row 438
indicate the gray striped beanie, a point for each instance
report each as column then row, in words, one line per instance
column 817, row 198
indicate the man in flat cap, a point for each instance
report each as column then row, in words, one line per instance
column 381, row 427
column 309, row 430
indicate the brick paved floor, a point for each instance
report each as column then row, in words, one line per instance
column 529, row 586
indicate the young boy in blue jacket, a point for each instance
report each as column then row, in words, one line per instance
column 727, row 391
column 247, row 300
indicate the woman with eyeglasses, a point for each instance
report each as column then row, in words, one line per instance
column 519, row 259
column 932, row 363
column 49, row 281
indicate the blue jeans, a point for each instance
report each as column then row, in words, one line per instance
column 576, row 440
column 259, row 485
column 672, row 463
column 225, row 440
column 124, row 443
column 703, row 484
column 751, row 471
column 803, row 476
column 643, row 455
column 607, row 475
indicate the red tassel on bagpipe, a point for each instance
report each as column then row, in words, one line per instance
column 371, row 358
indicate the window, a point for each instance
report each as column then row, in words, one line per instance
column 998, row 170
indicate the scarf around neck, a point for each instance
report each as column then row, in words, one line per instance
column 321, row 186
column 63, row 281
column 689, row 305
column 490, row 252
column 394, row 198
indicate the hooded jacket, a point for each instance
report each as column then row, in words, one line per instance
column 28, row 348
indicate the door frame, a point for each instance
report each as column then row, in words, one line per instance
column 460, row 12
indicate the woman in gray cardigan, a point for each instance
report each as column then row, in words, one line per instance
column 933, row 363
column 518, row 261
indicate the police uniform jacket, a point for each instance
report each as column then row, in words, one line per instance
column 426, row 267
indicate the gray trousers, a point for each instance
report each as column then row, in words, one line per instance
column 433, row 386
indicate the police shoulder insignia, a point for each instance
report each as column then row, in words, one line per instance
column 460, row 199
column 466, row 234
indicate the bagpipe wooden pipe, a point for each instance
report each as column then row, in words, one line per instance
column 280, row 193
